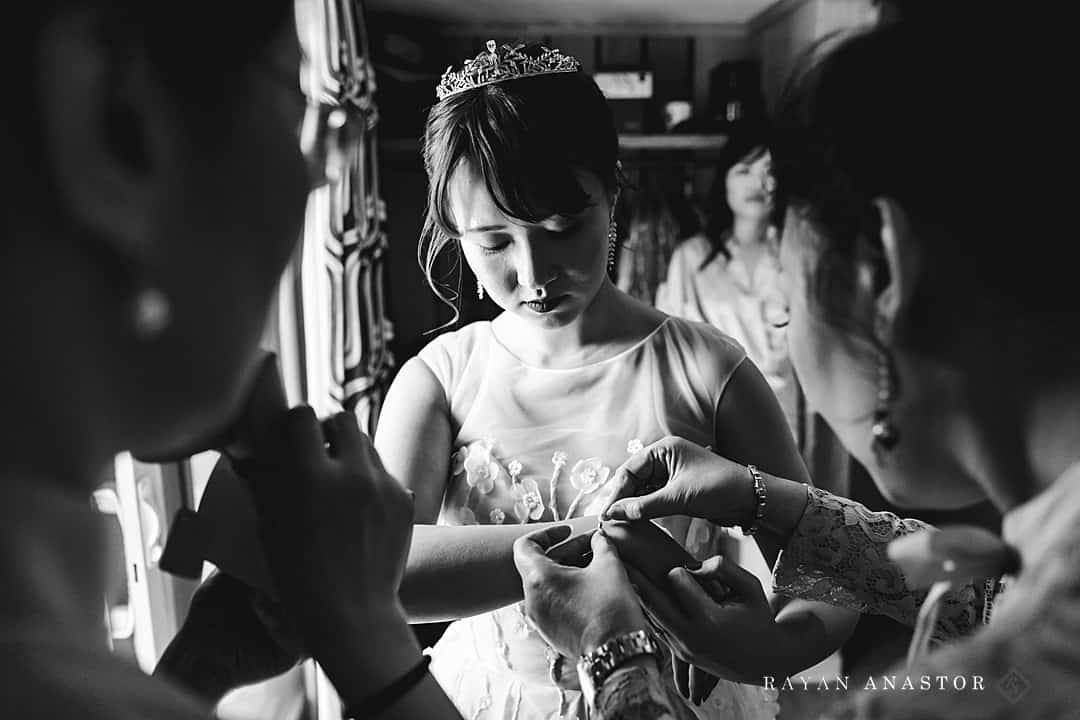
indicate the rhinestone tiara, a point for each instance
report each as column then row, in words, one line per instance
column 504, row 63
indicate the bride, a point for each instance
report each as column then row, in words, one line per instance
column 505, row 425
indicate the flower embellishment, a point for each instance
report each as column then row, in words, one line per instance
column 587, row 476
column 558, row 462
column 528, row 505
column 514, row 468
column 497, row 516
column 634, row 446
column 480, row 468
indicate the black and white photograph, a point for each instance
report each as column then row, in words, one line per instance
column 538, row 360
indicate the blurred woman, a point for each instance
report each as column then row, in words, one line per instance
column 728, row 276
column 152, row 192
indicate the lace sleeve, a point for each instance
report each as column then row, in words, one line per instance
column 1024, row 664
column 837, row 555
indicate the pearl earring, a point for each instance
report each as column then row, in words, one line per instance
column 151, row 313
column 613, row 244
column 479, row 290
column 884, row 432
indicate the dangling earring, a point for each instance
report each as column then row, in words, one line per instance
column 613, row 243
column 479, row 289
column 151, row 313
column 884, row 432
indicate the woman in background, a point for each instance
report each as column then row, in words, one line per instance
column 728, row 275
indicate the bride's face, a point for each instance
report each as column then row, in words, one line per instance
column 546, row 272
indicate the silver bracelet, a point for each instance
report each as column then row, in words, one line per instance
column 759, row 511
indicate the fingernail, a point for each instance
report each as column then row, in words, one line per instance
column 633, row 510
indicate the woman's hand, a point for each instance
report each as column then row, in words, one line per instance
column 336, row 530
column 717, row 618
column 232, row 636
column 575, row 608
column 651, row 552
column 677, row 477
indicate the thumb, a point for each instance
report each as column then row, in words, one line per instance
column 647, row 507
column 602, row 548
column 530, row 550
column 643, row 473
column 730, row 573
column 696, row 603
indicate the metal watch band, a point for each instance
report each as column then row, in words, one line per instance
column 595, row 667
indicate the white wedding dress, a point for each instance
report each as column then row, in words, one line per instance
column 534, row 444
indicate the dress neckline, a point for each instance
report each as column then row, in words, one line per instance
column 622, row 353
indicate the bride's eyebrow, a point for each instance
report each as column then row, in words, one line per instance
column 485, row 228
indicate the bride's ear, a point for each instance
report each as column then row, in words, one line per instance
column 901, row 257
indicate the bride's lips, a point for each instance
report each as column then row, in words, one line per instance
column 544, row 306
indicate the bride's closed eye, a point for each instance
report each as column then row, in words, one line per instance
column 493, row 249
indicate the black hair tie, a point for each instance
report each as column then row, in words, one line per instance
column 389, row 694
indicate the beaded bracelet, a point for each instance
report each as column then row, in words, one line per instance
column 759, row 491
column 389, row 694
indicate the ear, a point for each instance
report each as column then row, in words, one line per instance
column 902, row 258
column 94, row 99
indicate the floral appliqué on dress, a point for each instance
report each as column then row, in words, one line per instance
column 482, row 472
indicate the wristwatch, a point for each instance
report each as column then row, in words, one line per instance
column 594, row 667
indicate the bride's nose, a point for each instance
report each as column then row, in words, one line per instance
column 536, row 267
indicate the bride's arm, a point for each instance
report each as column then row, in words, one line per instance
column 751, row 428
column 452, row 572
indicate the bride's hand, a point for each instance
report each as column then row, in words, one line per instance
column 674, row 476
column 717, row 618
column 576, row 609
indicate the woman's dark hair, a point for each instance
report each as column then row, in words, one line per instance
column 198, row 49
column 197, row 46
column 745, row 145
column 525, row 138
column 915, row 110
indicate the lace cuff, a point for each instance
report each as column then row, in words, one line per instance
column 837, row 554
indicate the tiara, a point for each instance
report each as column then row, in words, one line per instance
column 504, row 63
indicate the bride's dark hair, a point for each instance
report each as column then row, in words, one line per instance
column 525, row 138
